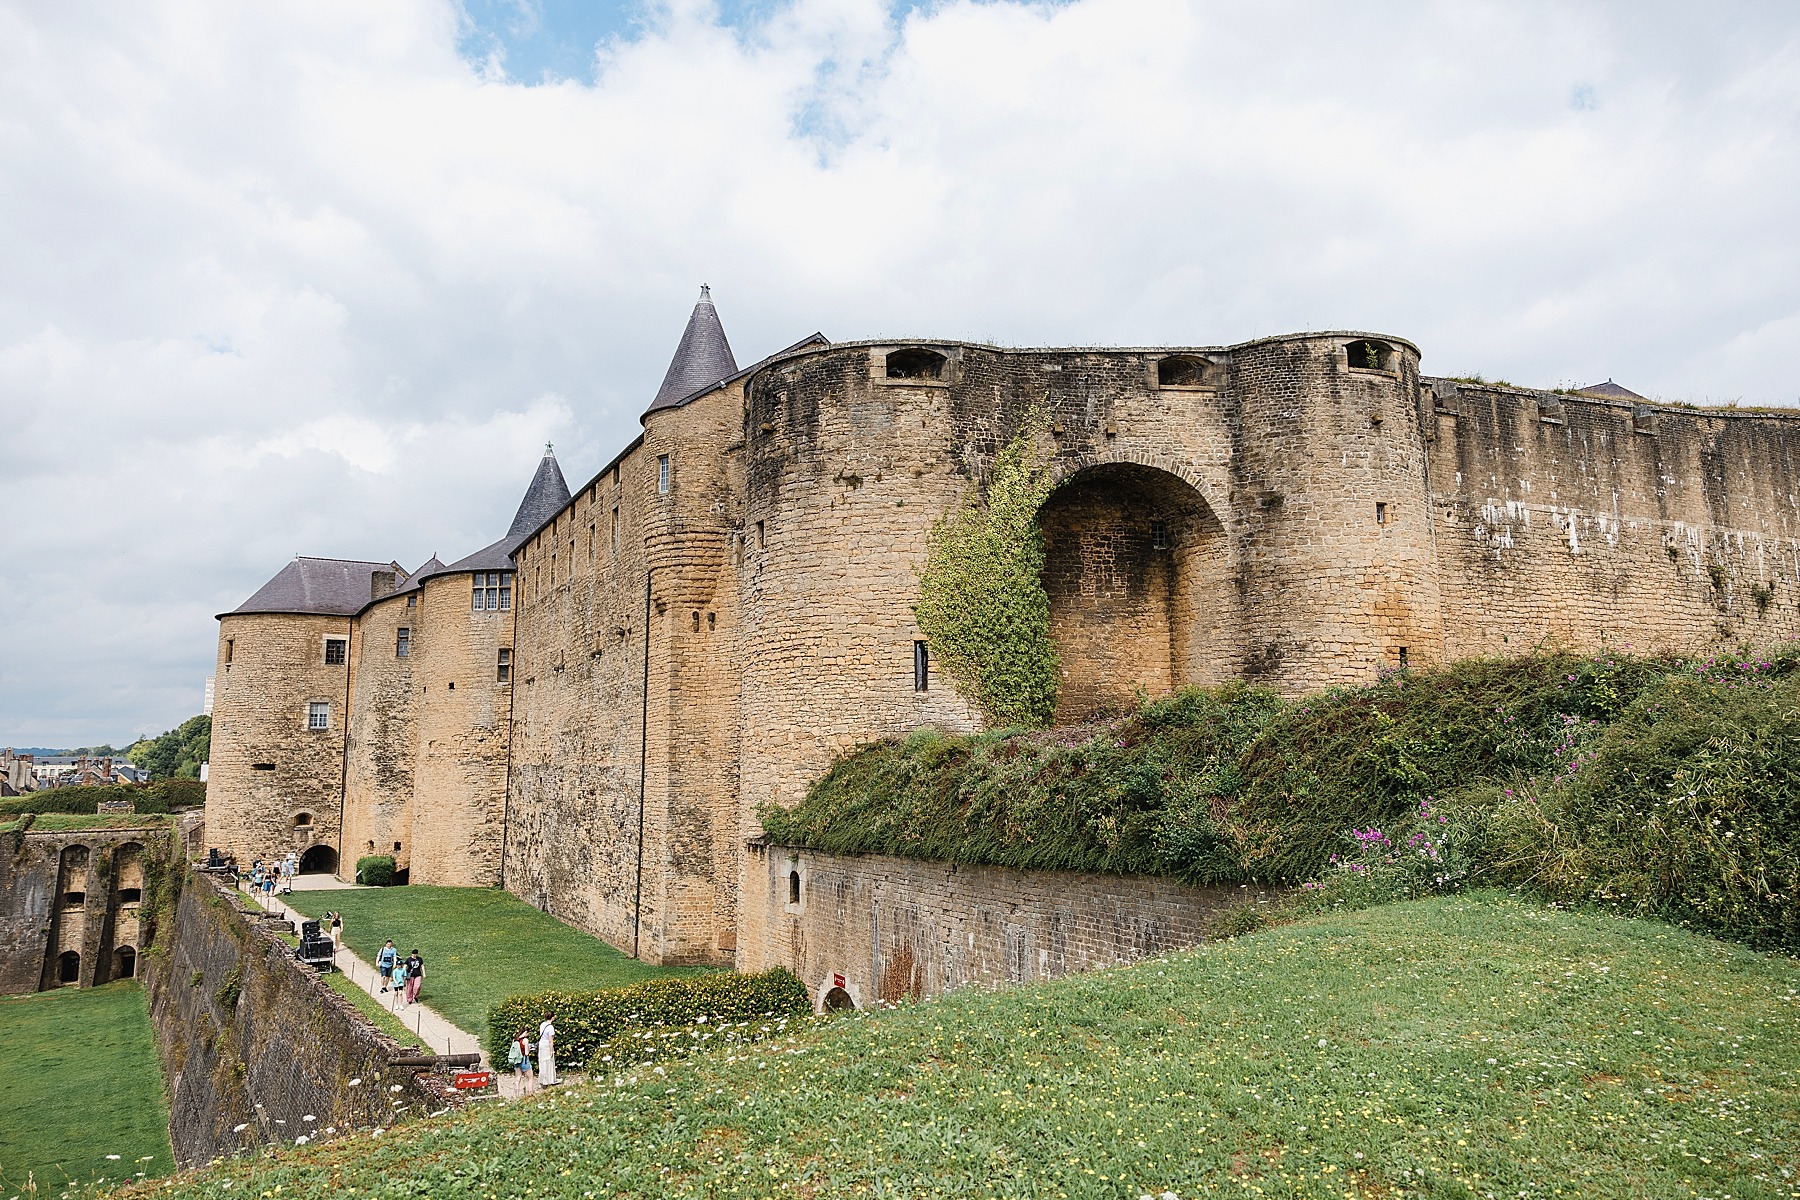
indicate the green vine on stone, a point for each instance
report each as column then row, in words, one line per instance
column 982, row 606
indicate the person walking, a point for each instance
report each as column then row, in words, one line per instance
column 399, row 980
column 546, row 1048
column 337, row 931
column 519, row 1055
column 415, row 973
column 384, row 962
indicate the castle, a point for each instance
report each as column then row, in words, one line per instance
column 591, row 711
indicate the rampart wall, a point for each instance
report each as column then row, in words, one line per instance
column 879, row 928
column 256, row 1051
column 70, row 905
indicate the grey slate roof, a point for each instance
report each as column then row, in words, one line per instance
column 416, row 580
column 701, row 360
column 543, row 499
column 336, row 587
column 1613, row 391
column 497, row 557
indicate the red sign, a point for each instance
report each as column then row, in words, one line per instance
column 469, row 1080
column 837, row 980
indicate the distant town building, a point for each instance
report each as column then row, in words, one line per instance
column 80, row 770
column 17, row 773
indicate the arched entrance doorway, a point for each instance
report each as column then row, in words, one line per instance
column 124, row 962
column 1139, row 580
column 837, row 1000
column 68, row 967
column 320, row 860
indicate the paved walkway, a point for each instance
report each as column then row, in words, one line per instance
column 435, row 1034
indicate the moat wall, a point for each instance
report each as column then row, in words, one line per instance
column 70, row 904
column 253, row 1044
column 882, row 928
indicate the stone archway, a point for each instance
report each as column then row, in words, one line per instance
column 1138, row 575
column 319, row 860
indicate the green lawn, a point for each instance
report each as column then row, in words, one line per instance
column 83, row 1095
column 1461, row 1047
column 480, row 945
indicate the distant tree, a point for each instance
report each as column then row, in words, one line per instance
column 176, row 754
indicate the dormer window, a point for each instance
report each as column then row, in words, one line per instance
column 492, row 591
column 915, row 363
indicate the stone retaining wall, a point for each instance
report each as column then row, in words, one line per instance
column 874, row 927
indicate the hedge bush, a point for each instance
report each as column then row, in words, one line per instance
column 586, row 1021
column 165, row 795
column 376, row 870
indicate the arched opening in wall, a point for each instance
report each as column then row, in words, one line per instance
column 131, row 895
column 319, row 860
column 837, row 1000
column 1138, row 575
column 793, row 887
column 303, row 820
column 124, row 963
column 915, row 363
column 68, row 967
column 1367, row 355
column 74, row 899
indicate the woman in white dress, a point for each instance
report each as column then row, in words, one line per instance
column 546, row 1064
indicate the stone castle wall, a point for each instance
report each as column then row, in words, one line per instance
column 887, row 929
column 280, row 783
column 1299, row 511
column 253, row 1044
column 76, row 892
column 382, row 740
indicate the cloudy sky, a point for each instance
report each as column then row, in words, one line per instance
column 323, row 277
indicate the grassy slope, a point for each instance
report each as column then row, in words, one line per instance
column 81, row 1083
column 1465, row 1046
column 480, row 945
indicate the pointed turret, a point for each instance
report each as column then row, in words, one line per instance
column 701, row 360
column 543, row 499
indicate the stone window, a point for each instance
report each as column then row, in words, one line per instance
column 503, row 669
column 262, row 766
column 1403, row 658
column 1159, row 535
column 228, row 649
column 793, row 888
column 402, row 642
column 662, row 474
column 615, row 531
column 1186, row 371
column 590, row 542
column 335, row 651
column 130, row 895
column 412, row 601
column 1381, row 512
column 915, row 363
column 302, row 820
column 74, row 899
column 921, row 666
column 1370, row 356
column 762, row 534
column 492, row 591
column 318, row 716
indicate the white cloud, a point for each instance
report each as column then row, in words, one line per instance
column 300, row 278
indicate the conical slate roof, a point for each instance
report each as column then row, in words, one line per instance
column 543, row 499
column 416, row 580
column 701, row 360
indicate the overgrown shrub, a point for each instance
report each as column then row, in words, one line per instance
column 1662, row 787
column 1687, row 808
column 165, row 795
column 376, row 870
column 586, row 1021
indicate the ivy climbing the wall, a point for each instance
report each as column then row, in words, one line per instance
column 982, row 605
